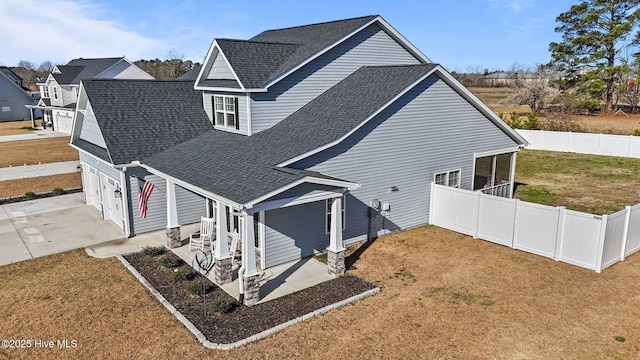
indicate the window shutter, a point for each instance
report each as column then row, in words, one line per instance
column 237, row 119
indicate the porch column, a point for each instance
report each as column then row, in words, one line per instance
column 335, row 251
column 223, row 265
column 173, row 227
column 512, row 174
column 251, row 277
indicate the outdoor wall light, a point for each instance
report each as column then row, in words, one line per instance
column 79, row 168
column 118, row 193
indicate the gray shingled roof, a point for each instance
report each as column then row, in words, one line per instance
column 191, row 74
column 82, row 69
column 242, row 168
column 271, row 53
column 139, row 118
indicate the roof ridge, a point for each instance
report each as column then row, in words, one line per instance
column 323, row 23
column 257, row 42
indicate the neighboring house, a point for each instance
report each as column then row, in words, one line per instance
column 13, row 97
column 59, row 91
column 303, row 139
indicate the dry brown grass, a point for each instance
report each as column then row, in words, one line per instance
column 17, row 127
column 444, row 295
column 610, row 124
column 36, row 151
column 19, row 187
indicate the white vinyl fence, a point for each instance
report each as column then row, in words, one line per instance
column 586, row 240
column 583, row 143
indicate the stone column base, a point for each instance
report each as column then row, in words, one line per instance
column 251, row 289
column 173, row 237
column 335, row 263
column 222, row 271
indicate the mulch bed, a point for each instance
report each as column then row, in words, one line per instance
column 242, row 321
column 42, row 195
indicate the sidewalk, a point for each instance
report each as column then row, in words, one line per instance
column 29, row 171
column 35, row 134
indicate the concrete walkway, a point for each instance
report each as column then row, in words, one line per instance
column 33, row 135
column 28, row 171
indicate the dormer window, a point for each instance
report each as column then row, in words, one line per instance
column 225, row 111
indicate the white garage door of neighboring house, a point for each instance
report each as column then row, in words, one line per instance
column 63, row 122
column 112, row 203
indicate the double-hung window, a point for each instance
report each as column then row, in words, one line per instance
column 45, row 92
column 449, row 178
column 55, row 93
column 329, row 203
column 225, row 111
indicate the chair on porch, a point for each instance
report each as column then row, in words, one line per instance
column 198, row 240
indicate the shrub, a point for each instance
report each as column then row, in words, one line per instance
column 196, row 288
column 170, row 261
column 556, row 121
column 181, row 274
column 30, row 195
column 57, row 191
column 221, row 305
column 153, row 251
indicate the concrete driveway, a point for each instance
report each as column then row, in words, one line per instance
column 41, row 227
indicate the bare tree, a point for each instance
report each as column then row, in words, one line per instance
column 533, row 88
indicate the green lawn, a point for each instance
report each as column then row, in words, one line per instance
column 589, row 183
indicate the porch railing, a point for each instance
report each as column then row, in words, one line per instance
column 502, row 190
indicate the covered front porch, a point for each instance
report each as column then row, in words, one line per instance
column 274, row 282
column 236, row 247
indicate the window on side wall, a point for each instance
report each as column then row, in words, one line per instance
column 329, row 203
column 449, row 178
column 45, row 92
column 55, row 93
column 225, row 111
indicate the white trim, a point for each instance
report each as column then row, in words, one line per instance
column 328, row 214
column 292, row 201
column 306, row 179
column 262, row 228
column 249, row 127
column 495, row 152
column 215, row 45
column 448, row 175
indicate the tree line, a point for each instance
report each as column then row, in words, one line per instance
column 167, row 69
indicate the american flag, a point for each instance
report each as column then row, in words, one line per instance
column 145, row 188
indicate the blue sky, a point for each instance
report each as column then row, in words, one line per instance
column 461, row 35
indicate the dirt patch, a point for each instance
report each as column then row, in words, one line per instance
column 445, row 296
column 19, row 187
column 241, row 321
column 17, row 127
column 16, row 153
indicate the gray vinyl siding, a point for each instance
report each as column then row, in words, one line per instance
column 101, row 166
column 90, row 130
column 220, row 69
column 430, row 129
column 207, row 101
column 371, row 46
column 294, row 232
column 13, row 101
column 156, row 206
column 191, row 206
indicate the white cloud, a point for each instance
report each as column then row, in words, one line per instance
column 59, row 31
column 515, row 6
